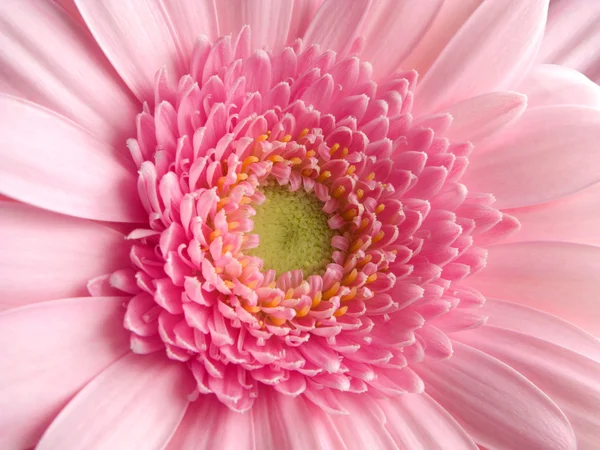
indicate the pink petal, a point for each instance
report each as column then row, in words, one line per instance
column 570, row 379
column 44, row 256
column 141, row 37
column 510, row 31
column 480, row 117
column 418, row 422
column 136, row 402
column 383, row 24
column 557, row 277
column 50, row 162
column 547, row 85
column 51, row 60
column 336, row 24
column 571, row 219
column 496, row 405
column 528, row 164
column 302, row 14
column 49, row 351
column 269, row 20
column 516, row 317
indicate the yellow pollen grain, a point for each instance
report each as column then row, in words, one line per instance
column 252, row 309
column 214, row 234
column 338, row 192
column 303, row 312
column 360, row 193
column 372, row 278
column 341, row 311
column 351, row 170
column 363, row 224
column 350, row 214
column 348, row 279
column 334, row 148
column 303, row 133
column 286, row 138
column 379, row 236
column 331, row 291
column 350, row 295
column 277, row 320
column 317, row 299
column 380, row 208
column 324, row 175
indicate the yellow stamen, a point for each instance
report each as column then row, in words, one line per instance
column 323, row 176
column 295, row 161
column 363, row 224
column 252, row 284
column 310, row 153
column 247, row 161
column 360, row 193
column 356, row 246
column 317, row 299
column 263, row 137
column 272, row 284
column 227, row 248
column 223, row 202
column 348, row 279
column 334, row 148
column 379, row 236
column 286, row 138
column 303, row 312
column 213, row 235
column 276, row 158
column 273, row 302
column 351, row 170
column 380, row 208
column 341, row 311
column 331, row 291
column 350, row 214
column 338, row 192
column 219, row 269
column 366, row 260
column 229, row 284
column 372, row 277
column 303, row 133
column 306, row 172
column 289, row 294
column 232, row 225
column 350, row 295
column 344, row 152
column 371, row 176
column 245, row 200
column 252, row 309
column 278, row 320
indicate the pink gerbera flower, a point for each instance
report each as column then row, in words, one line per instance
column 299, row 225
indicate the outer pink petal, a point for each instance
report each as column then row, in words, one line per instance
column 50, row 59
column 336, row 24
column 136, row 403
column 560, row 278
column 417, row 422
column 516, row 317
column 494, row 47
column 575, row 218
column 269, row 20
column 49, row 351
column 496, row 405
column 44, row 256
column 140, row 37
column 570, row 379
column 547, row 84
column 303, row 12
column 50, row 162
column 392, row 29
column 529, row 165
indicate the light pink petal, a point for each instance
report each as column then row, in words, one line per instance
column 392, row 29
column 451, row 17
column 481, row 117
column 49, row 351
column 50, row 59
column 548, row 84
column 516, row 317
column 269, row 20
column 336, row 24
column 50, row 162
column 44, row 256
column 302, row 14
column 139, row 38
column 570, row 379
column 494, row 47
column 575, row 218
column 137, row 402
column 496, row 405
column 557, row 277
column 417, row 422
column 529, row 165
column 572, row 37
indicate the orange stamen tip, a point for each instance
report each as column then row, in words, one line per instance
column 379, row 236
column 252, row 284
column 242, row 176
column 350, row 277
column 350, row 295
column 331, row 291
column 286, row 138
column 306, row 172
column 219, row 269
column 351, row 170
column 277, row 320
column 380, row 208
column 303, row 133
column 366, row 260
column 247, row 161
column 245, row 200
column 363, row 224
column 317, row 299
column 263, row 137
column 229, row 284
column 252, row 309
column 371, row 176
column 215, row 234
column 227, row 248
column 289, row 294
column 310, row 153
column 356, row 246
column 275, row 158
column 295, row 161
column 324, row 175
column 338, row 192
column 334, row 148
column 372, row 278
column 345, row 152
column 303, row 312
column 233, row 225
column 360, row 193
column 272, row 284
column 341, row 311
column 273, row 302
column 350, row 214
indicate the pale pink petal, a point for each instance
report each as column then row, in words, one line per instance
column 496, row 405
column 49, row 351
column 450, row 19
column 392, row 29
column 480, row 117
column 336, row 24
column 139, row 38
column 137, row 402
column 44, row 256
column 269, row 20
column 528, row 164
column 571, row 219
column 516, row 317
column 494, row 47
column 49, row 59
column 50, row 162
column 302, row 14
column 570, row 379
column 418, row 422
column 557, row 277
column 548, row 84
column 572, row 36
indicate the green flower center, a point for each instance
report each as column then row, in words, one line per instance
column 293, row 232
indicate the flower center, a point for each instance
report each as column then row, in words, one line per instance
column 293, row 232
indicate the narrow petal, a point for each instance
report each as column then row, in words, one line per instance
column 557, row 277
column 571, row 219
column 50, row 162
column 53, row 61
column 494, row 47
column 418, row 422
column 398, row 24
column 496, row 405
column 548, row 84
column 269, row 20
column 49, row 351
column 570, row 379
column 137, row 402
column 302, row 14
column 336, row 24
column 44, row 256
column 528, row 164
column 139, row 38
